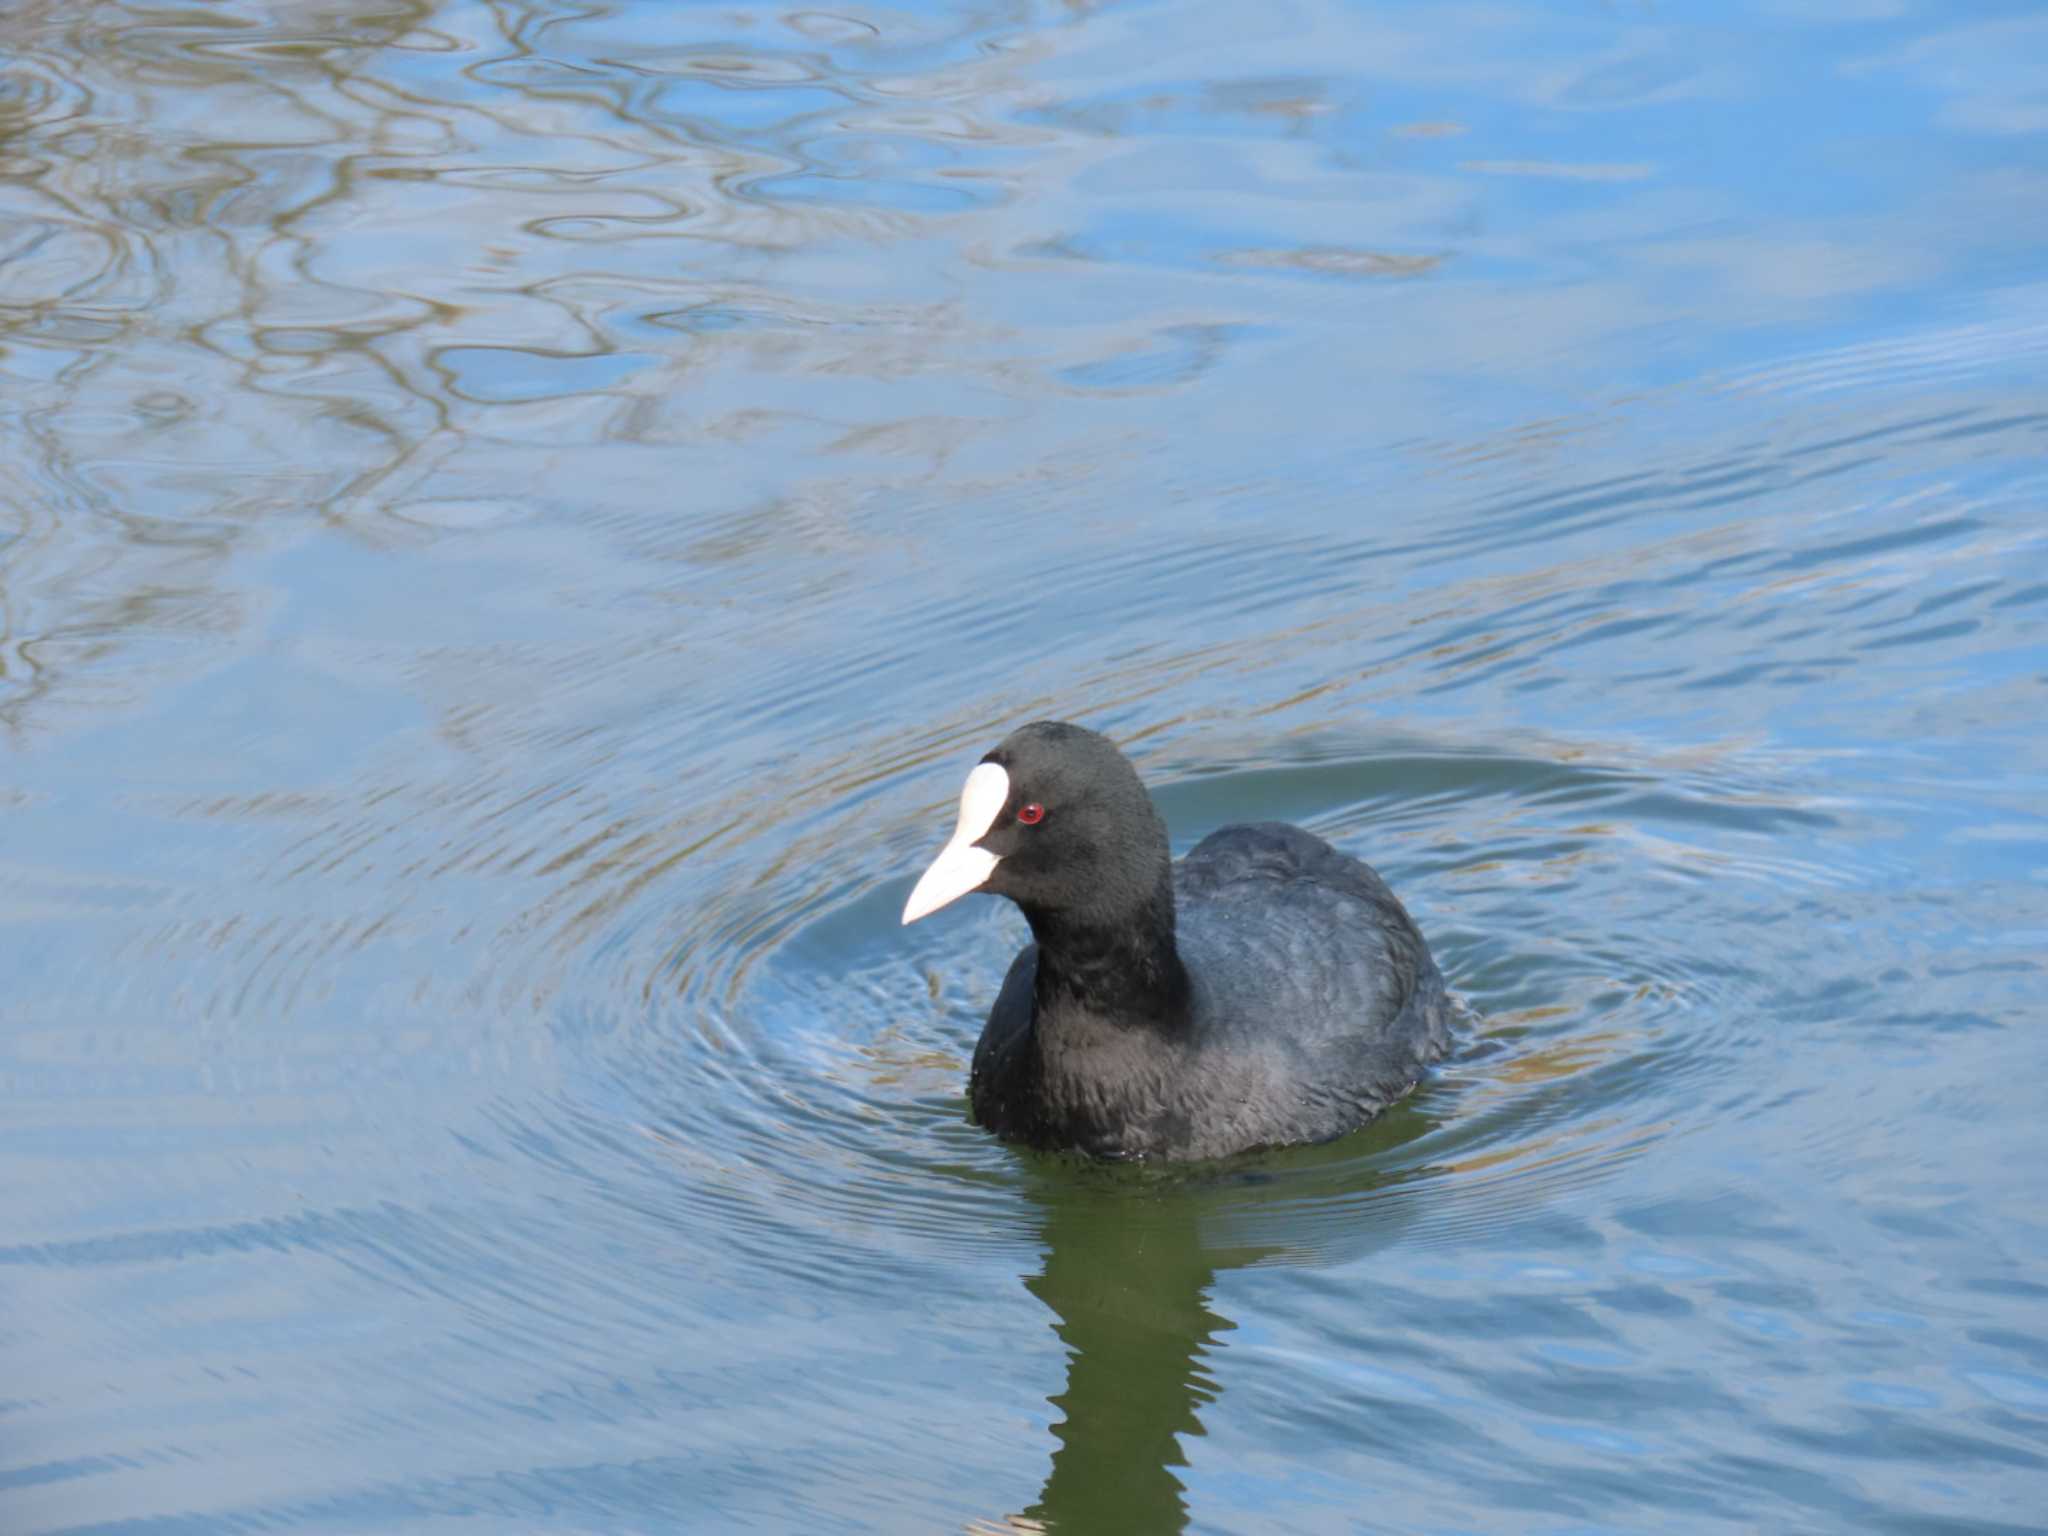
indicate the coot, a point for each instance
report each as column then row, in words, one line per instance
column 1265, row 990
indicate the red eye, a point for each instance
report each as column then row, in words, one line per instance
column 1032, row 814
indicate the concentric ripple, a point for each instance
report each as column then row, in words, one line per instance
column 787, row 1063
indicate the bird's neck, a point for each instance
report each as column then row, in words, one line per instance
column 1121, row 968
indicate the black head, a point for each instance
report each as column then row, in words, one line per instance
column 1055, row 818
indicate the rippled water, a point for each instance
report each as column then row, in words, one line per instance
column 518, row 516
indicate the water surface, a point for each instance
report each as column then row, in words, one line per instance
column 517, row 518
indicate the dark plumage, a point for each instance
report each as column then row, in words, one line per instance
column 1266, row 990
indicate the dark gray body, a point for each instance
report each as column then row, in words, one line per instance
column 1313, row 1003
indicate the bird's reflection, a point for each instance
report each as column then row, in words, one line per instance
column 1128, row 1279
column 1129, row 1272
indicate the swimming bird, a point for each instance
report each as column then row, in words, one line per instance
column 1265, row 990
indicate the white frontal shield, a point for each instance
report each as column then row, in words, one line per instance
column 961, row 867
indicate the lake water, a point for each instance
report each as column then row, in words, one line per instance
column 517, row 517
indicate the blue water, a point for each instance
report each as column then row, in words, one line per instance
column 517, row 518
